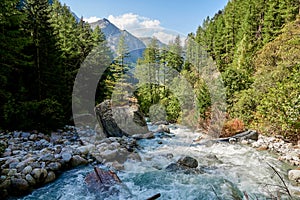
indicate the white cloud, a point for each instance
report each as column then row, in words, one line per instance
column 141, row 26
column 130, row 21
column 91, row 19
column 164, row 37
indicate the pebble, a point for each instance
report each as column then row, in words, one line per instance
column 27, row 170
column 66, row 157
column 30, row 179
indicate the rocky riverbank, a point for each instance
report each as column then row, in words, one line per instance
column 286, row 151
column 31, row 160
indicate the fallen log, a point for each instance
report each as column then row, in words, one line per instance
column 101, row 180
column 154, row 197
column 250, row 134
column 247, row 135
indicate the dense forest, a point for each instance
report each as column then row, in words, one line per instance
column 42, row 46
column 254, row 43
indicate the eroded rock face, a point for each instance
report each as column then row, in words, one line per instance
column 118, row 121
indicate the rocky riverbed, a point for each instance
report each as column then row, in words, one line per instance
column 31, row 160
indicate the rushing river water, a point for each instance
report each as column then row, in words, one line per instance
column 230, row 170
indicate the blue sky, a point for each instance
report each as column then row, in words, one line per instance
column 182, row 16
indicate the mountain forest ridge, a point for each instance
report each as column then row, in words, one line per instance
column 135, row 45
column 254, row 43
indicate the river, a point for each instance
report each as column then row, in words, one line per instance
column 229, row 171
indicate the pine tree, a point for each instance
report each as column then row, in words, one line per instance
column 174, row 57
column 116, row 77
column 12, row 42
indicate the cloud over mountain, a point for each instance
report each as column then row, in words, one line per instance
column 91, row 19
column 141, row 26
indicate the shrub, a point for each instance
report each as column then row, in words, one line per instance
column 232, row 127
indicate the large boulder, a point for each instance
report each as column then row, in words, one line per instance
column 294, row 175
column 186, row 164
column 163, row 128
column 118, row 121
column 188, row 161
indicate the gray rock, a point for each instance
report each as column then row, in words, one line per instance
column 77, row 160
column 25, row 135
column 163, row 128
column 54, row 166
column 11, row 160
column 16, row 134
column 33, row 137
column 66, row 156
column 294, row 175
column 120, row 121
column 175, row 167
column 30, row 179
column 13, row 165
column 50, row 177
column 58, row 149
column 35, row 165
column 27, row 170
column 106, row 120
column 149, row 135
column 29, row 160
column 43, row 164
column 2, row 178
column 160, row 123
column 86, row 149
column 39, row 174
column 21, row 166
column 12, row 172
column 57, row 156
column 47, row 157
column 188, row 161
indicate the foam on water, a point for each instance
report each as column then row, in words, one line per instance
column 229, row 170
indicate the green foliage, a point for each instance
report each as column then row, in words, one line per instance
column 114, row 83
column 40, row 115
column 42, row 47
column 173, row 109
column 203, row 98
column 256, row 48
column 235, row 81
column 271, row 104
column 279, row 110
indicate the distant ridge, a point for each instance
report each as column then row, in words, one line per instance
column 112, row 33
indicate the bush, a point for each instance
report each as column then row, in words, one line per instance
column 232, row 127
column 279, row 110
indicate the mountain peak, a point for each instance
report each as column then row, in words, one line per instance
column 113, row 34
